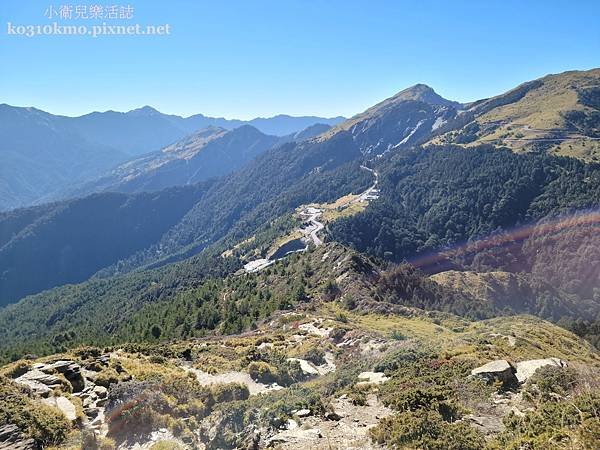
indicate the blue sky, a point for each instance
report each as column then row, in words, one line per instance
column 251, row 58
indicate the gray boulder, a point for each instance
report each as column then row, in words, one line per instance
column 11, row 438
column 525, row 369
column 64, row 405
column 101, row 391
column 72, row 372
column 499, row 370
column 39, row 382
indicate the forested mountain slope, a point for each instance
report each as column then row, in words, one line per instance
column 444, row 208
column 443, row 196
column 39, row 154
column 482, row 191
column 67, row 242
column 208, row 153
column 77, row 236
column 389, row 319
column 203, row 296
column 277, row 181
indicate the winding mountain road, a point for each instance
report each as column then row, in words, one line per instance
column 310, row 232
column 372, row 193
column 311, row 215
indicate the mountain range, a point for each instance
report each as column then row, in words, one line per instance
column 42, row 155
column 265, row 177
column 397, row 270
column 208, row 153
column 558, row 114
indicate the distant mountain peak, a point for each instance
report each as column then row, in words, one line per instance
column 423, row 93
column 246, row 129
column 144, row 111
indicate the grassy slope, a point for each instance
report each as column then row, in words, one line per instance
column 537, row 115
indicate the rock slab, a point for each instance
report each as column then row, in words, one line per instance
column 11, row 438
column 525, row 369
column 64, row 405
column 500, row 370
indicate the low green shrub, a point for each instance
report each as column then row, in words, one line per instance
column 426, row 430
column 554, row 425
column 47, row 425
column 549, row 381
column 262, row 372
column 230, row 392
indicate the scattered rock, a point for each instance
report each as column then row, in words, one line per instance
column 350, row 431
column 500, row 370
column 92, row 413
column 89, row 374
column 39, row 382
column 303, row 413
column 332, row 415
column 306, row 366
column 265, row 345
column 294, row 437
column 371, row 378
column 71, row 371
column 525, row 369
column 314, row 329
column 329, row 365
column 101, row 391
column 64, row 405
column 486, row 424
column 11, row 438
column 254, row 387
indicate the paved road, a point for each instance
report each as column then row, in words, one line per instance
column 315, row 226
column 312, row 215
column 372, row 193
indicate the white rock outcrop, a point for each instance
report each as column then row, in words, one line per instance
column 64, row 405
column 371, row 378
column 525, row 369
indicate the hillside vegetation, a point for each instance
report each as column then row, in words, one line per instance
column 559, row 114
column 487, row 209
column 298, row 381
column 382, row 284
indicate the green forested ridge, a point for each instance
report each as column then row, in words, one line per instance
column 374, row 334
column 113, row 233
column 271, row 185
column 68, row 242
column 463, row 197
column 198, row 297
column 90, row 312
column 274, row 184
column 429, row 198
column 440, row 197
column 44, row 155
column 206, row 154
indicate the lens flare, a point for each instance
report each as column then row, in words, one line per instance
column 508, row 240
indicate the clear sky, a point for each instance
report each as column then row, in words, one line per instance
column 251, row 58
